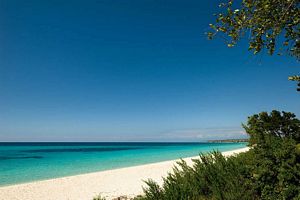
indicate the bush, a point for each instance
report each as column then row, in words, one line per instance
column 277, row 163
column 99, row 198
column 270, row 170
column 212, row 177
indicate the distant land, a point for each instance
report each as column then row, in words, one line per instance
column 228, row 140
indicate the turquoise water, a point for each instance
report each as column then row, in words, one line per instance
column 26, row 162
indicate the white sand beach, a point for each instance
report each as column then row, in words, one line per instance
column 110, row 184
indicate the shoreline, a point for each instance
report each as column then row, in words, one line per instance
column 109, row 183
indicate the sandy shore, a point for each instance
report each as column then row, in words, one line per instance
column 112, row 183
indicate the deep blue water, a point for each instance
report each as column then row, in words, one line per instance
column 25, row 162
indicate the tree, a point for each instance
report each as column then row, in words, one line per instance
column 275, row 138
column 263, row 126
column 271, row 24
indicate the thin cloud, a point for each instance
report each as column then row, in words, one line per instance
column 206, row 133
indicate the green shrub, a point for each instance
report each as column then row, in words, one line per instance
column 276, row 160
column 99, row 198
column 212, row 177
column 270, row 170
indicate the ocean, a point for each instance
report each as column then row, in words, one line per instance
column 27, row 162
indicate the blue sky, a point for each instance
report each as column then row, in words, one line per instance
column 129, row 71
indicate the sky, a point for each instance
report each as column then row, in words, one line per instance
column 130, row 71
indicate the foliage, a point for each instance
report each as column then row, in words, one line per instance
column 268, row 24
column 265, row 20
column 277, row 171
column 296, row 78
column 263, row 127
column 212, row 177
column 99, row 198
column 277, row 162
column 269, row 170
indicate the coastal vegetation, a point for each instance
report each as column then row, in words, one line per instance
column 228, row 141
column 269, row 170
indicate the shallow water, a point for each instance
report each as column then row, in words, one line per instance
column 26, row 162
